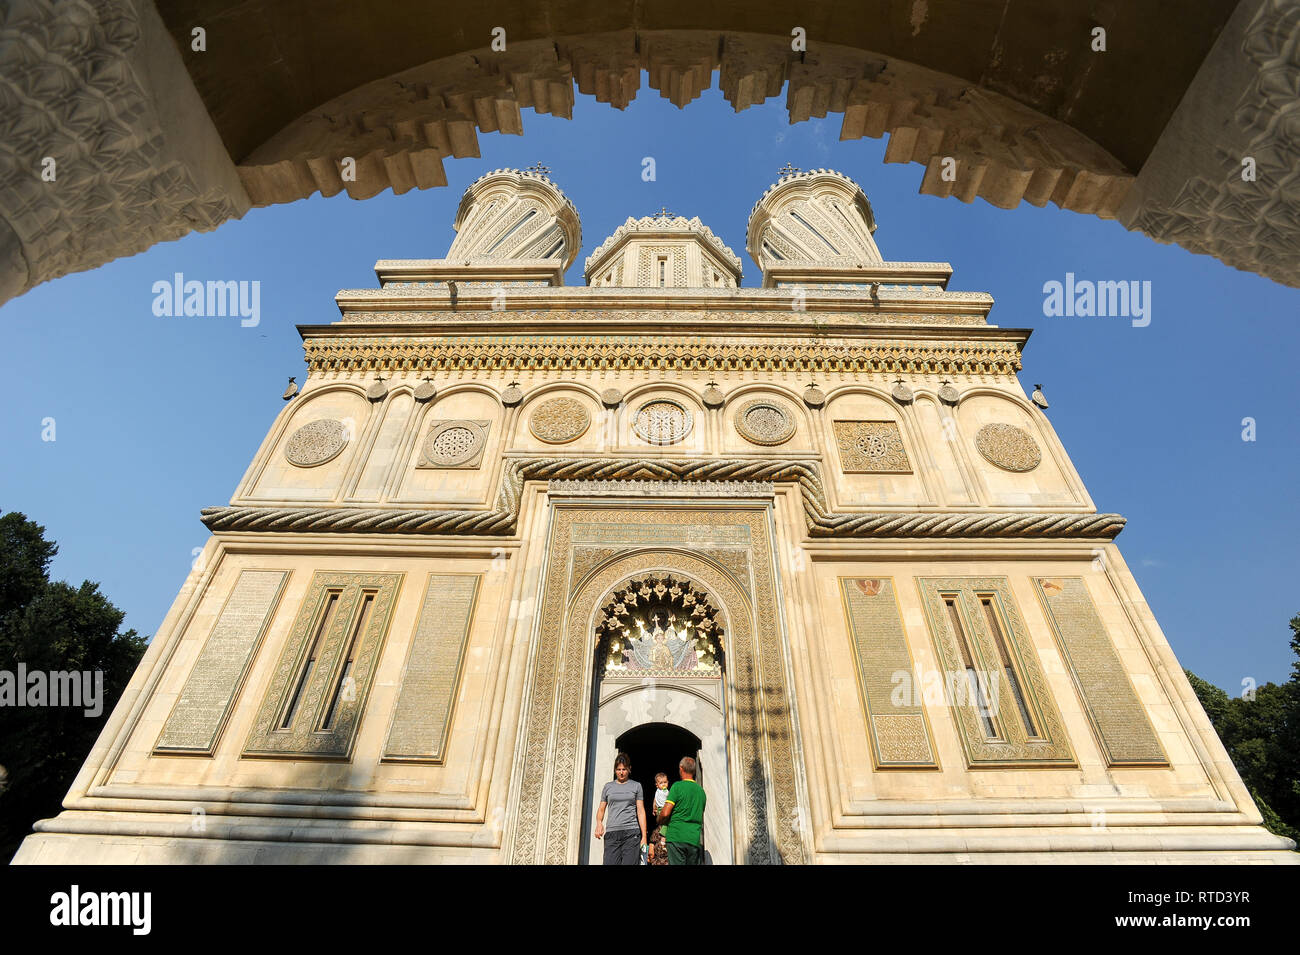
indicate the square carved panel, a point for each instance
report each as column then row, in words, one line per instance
column 871, row 446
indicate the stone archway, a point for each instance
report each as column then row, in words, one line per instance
column 157, row 137
column 763, row 764
column 682, row 624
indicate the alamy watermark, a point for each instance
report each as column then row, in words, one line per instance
column 178, row 297
column 1084, row 298
column 74, row 688
column 977, row 688
column 129, row 909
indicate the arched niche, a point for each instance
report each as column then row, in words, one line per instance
column 1018, row 462
column 278, row 477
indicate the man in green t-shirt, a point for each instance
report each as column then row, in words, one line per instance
column 682, row 817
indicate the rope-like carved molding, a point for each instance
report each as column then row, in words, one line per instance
column 580, row 353
column 503, row 518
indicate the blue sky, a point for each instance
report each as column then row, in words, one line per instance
column 157, row 417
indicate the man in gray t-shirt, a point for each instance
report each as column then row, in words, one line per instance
column 625, row 800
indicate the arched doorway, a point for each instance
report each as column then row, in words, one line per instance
column 658, row 695
column 658, row 748
column 745, row 716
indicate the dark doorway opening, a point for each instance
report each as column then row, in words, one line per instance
column 658, row 748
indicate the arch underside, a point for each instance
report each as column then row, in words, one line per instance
column 167, row 141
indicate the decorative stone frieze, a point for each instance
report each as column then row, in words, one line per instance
column 693, row 489
column 821, row 521
column 633, row 353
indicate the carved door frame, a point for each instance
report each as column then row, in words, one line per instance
column 761, row 723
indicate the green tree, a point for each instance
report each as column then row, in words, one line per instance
column 50, row 626
column 1262, row 735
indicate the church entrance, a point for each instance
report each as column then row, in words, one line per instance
column 658, row 748
column 666, row 611
column 659, row 695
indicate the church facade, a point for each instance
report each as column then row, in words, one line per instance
column 813, row 534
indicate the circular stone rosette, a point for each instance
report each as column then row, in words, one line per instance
column 559, row 420
column 713, row 398
column 662, row 421
column 611, row 397
column 454, row 443
column 949, row 395
column 761, row 421
column 425, row 391
column 316, row 443
column 1008, row 447
column 512, row 396
column 814, row 397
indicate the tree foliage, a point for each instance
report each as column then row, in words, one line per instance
column 1262, row 735
column 50, row 626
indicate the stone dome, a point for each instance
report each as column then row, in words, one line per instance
column 820, row 217
column 516, row 214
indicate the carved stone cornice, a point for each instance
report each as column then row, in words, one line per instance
column 821, row 521
column 633, row 352
column 436, row 295
column 612, row 318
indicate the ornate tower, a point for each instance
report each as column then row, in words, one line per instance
column 663, row 251
column 813, row 534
